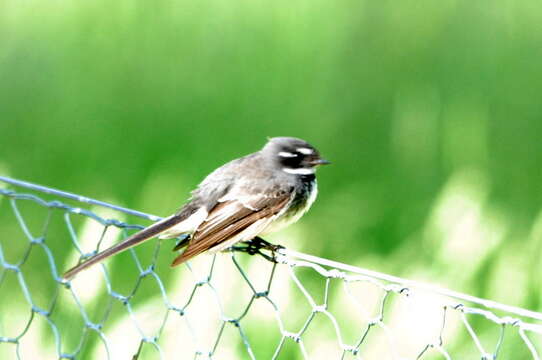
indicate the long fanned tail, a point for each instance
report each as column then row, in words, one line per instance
column 131, row 241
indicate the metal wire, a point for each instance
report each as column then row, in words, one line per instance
column 312, row 307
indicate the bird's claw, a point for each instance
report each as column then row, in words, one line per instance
column 257, row 244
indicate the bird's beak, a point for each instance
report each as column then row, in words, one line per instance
column 320, row 161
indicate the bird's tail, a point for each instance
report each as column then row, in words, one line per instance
column 131, row 241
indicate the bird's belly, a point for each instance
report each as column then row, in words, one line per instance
column 295, row 211
column 281, row 223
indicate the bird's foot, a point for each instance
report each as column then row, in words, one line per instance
column 260, row 243
column 256, row 245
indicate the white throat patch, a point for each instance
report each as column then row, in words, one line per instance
column 299, row 171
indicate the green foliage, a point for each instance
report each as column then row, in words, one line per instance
column 430, row 112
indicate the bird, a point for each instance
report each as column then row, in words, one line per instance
column 240, row 201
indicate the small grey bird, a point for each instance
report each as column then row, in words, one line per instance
column 244, row 198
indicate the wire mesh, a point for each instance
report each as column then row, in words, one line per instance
column 227, row 306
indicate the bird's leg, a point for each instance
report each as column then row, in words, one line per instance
column 255, row 246
column 183, row 241
column 260, row 243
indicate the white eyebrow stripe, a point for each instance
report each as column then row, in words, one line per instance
column 305, row 151
column 287, row 154
column 299, row 171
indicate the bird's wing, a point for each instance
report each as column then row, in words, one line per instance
column 229, row 218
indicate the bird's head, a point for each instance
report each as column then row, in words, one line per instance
column 293, row 155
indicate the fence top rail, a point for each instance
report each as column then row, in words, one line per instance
column 490, row 304
column 80, row 198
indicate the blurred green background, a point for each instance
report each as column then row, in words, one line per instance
column 429, row 110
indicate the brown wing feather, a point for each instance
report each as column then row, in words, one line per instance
column 211, row 234
column 222, row 215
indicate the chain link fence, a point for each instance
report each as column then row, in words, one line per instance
column 227, row 306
